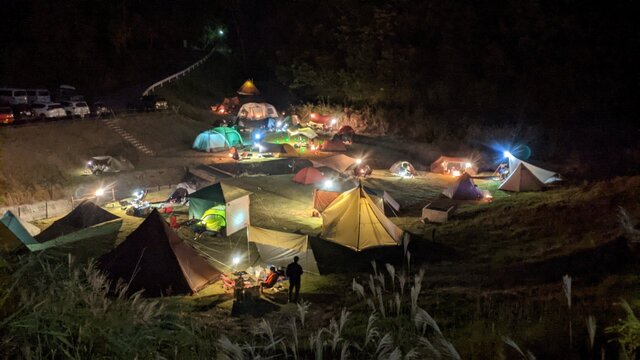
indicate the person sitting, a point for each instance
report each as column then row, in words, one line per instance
column 270, row 281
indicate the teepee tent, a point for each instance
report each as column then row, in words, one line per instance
column 545, row 176
column 353, row 220
column 233, row 200
column 87, row 220
column 248, row 88
column 278, row 248
column 308, row 175
column 154, row 259
column 463, row 189
column 209, row 141
column 522, row 179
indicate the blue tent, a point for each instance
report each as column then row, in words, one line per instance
column 210, row 140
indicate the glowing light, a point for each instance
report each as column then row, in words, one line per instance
column 455, row 173
column 313, row 115
column 334, row 121
column 467, row 165
column 221, row 32
column 89, row 163
column 507, row 154
column 279, row 123
column 235, row 260
column 257, row 136
column 100, row 192
column 230, row 155
column 358, row 161
column 328, row 183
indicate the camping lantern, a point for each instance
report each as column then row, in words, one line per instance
column 100, row 192
column 467, row 165
column 455, row 173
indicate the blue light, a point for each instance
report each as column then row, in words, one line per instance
column 257, row 136
column 507, row 154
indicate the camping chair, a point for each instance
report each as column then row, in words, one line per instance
column 174, row 222
column 227, row 283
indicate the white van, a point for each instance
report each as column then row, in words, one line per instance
column 38, row 96
column 13, row 96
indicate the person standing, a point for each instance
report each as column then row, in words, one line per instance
column 294, row 272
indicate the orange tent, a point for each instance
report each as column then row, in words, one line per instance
column 308, row 175
column 248, row 88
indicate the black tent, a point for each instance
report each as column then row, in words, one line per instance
column 85, row 215
column 154, row 259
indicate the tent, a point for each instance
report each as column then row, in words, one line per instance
column 87, row 220
column 181, row 192
column 545, row 176
column 346, row 130
column 340, row 163
column 353, row 220
column 234, row 200
column 154, row 259
column 248, row 88
column 257, row 111
column 306, row 131
column 16, row 233
column 108, row 164
column 209, row 141
column 308, row 175
column 403, row 168
column 322, row 199
column 526, row 177
column 278, row 149
column 448, row 164
column 463, row 189
column 278, row 248
column 231, row 135
column 334, row 145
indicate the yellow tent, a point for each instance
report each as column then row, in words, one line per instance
column 248, row 88
column 278, row 248
column 353, row 220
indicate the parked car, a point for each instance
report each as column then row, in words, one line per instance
column 49, row 110
column 100, row 109
column 6, row 115
column 38, row 95
column 148, row 103
column 22, row 112
column 12, row 96
column 75, row 108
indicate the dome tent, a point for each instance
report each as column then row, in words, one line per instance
column 463, row 189
column 402, row 168
column 308, row 175
column 231, row 135
column 210, row 141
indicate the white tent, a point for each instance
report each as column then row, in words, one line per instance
column 278, row 248
column 339, row 163
column 257, row 111
column 307, row 131
column 545, row 176
column 353, row 220
column 524, row 179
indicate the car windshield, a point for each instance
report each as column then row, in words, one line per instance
column 81, row 104
column 55, row 107
column 31, row 92
column 43, row 93
column 19, row 93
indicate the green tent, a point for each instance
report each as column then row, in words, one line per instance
column 231, row 135
column 214, row 218
column 233, row 200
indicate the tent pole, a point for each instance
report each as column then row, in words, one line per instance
column 248, row 247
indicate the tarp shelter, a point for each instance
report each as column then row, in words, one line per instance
column 340, row 163
column 463, row 189
column 257, row 111
column 109, row 164
column 209, row 141
column 527, row 177
column 19, row 226
column 545, row 176
column 231, row 135
column 278, row 149
column 248, row 88
column 234, row 200
column 278, row 248
column 308, row 175
column 403, row 168
column 334, row 145
column 154, row 259
column 306, row 131
column 448, row 164
column 353, row 220
column 87, row 220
